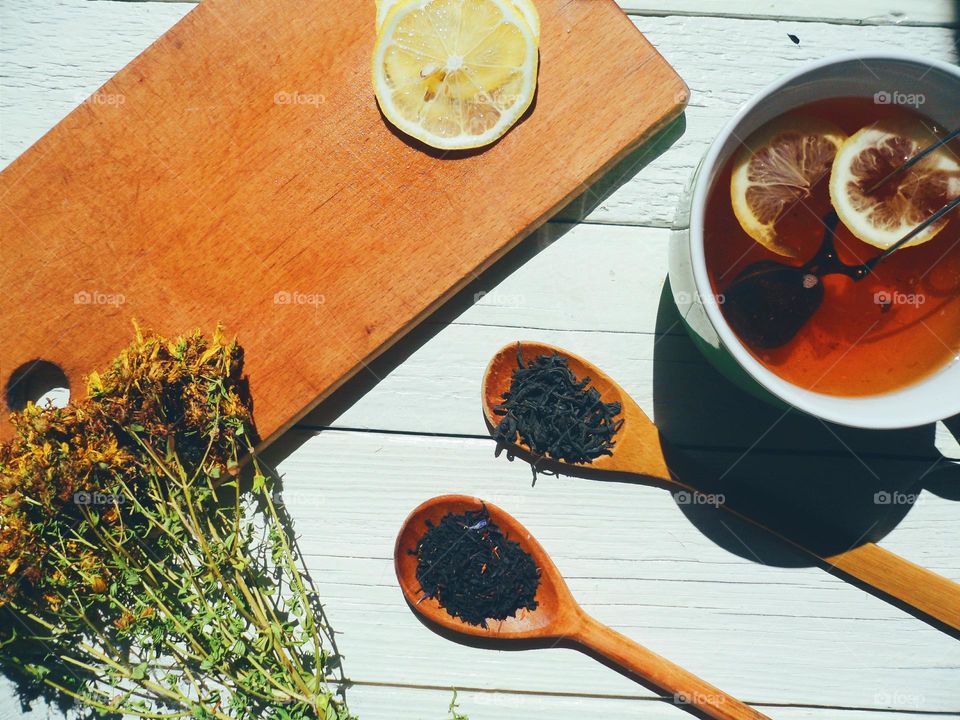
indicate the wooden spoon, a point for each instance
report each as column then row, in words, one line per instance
column 639, row 451
column 557, row 617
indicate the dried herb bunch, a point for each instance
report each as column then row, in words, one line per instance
column 141, row 573
column 555, row 413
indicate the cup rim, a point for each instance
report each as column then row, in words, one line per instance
column 839, row 409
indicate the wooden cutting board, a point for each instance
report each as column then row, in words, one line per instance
column 239, row 170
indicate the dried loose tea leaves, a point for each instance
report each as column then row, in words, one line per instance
column 473, row 570
column 555, row 413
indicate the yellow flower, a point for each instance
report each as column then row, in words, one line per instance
column 97, row 584
column 53, row 600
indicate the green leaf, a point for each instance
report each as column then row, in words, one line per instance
column 140, row 671
column 259, row 482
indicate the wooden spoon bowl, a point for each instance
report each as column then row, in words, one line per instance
column 557, row 616
column 638, row 447
column 553, row 596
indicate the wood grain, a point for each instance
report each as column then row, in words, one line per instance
column 212, row 193
column 900, row 578
column 686, row 689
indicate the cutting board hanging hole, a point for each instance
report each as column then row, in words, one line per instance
column 40, row 382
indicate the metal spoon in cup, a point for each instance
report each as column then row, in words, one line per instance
column 769, row 302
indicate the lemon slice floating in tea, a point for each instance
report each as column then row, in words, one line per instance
column 454, row 74
column 526, row 7
column 885, row 215
column 777, row 167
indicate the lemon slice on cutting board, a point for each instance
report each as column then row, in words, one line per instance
column 453, row 74
column 885, row 215
column 526, row 7
column 777, row 167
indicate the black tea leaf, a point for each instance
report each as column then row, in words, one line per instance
column 473, row 570
column 555, row 413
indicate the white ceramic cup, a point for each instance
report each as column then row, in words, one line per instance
column 934, row 87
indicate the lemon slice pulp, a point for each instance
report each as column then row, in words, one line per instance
column 455, row 74
column 883, row 216
column 777, row 167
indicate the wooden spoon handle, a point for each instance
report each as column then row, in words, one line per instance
column 686, row 689
column 899, row 578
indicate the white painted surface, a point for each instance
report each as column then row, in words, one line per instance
column 851, row 12
column 795, row 640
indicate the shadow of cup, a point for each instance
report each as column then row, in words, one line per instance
column 826, row 486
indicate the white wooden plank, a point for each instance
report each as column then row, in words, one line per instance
column 852, row 12
column 437, row 390
column 790, row 635
column 391, row 703
column 387, row 702
column 45, row 73
column 597, row 291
